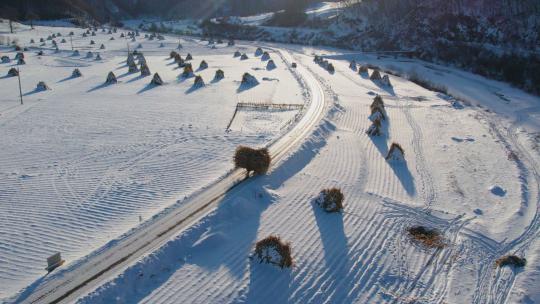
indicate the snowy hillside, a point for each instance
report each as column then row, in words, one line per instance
column 84, row 162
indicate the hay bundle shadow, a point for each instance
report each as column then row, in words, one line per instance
column 330, row 200
column 427, row 237
column 395, row 153
column 272, row 250
column 511, row 260
column 253, row 160
column 111, row 78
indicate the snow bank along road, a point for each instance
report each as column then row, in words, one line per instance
column 67, row 285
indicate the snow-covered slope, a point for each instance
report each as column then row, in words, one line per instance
column 85, row 162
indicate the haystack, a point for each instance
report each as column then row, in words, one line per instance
column 5, row 59
column 270, row 65
column 13, row 72
column 258, row 52
column 98, row 56
column 172, row 55
column 42, row 86
column 75, row 53
column 76, row 73
column 102, row 47
column 203, row 65
column 156, row 80
column 237, row 54
column 253, row 160
column 375, row 75
column 330, row 68
column 112, row 38
column 396, row 153
column 352, row 65
column 386, row 81
column 178, row 58
column 92, row 42
column 21, row 61
column 145, row 70
column 63, row 41
column 111, row 78
column 330, row 200
column 188, row 70
column 273, row 250
column 375, row 128
column 32, row 41
column 244, row 57
column 219, row 75
column 265, row 56
column 19, row 55
column 231, row 42
column 89, row 55
column 199, row 82
column 189, row 57
column 248, row 79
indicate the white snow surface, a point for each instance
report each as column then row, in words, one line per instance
column 83, row 163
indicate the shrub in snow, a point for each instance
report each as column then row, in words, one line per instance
column 89, row 55
column 248, row 79
column 511, row 260
column 386, row 81
column 111, row 78
column 76, row 73
column 75, row 53
column 375, row 128
column 5, row 59
column 42, row 86
column 199, row 82
column 188, row 70
column 156, row 80
column 431, row 238
column 331, row 200
column 396, row 153
column 92, row 42
column 258, row 52
column 270, row 65
column 352, row 65
column 203, row 65
column 375, row 75
column 13, row 72
column 102, row 47
column 244, row 57
column 21, row 61
column 172, row 55
column 253, row 160
column 273, row 250
column 219, row 75
column 237, row 54
column 189, row 57
column 145, row 70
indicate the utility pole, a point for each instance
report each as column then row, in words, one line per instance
column 71, row 41
column 20, row 89
column 11, row 26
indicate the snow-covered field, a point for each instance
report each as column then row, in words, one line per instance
column 457, row 154
column 470, row 171
column 83, row 163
